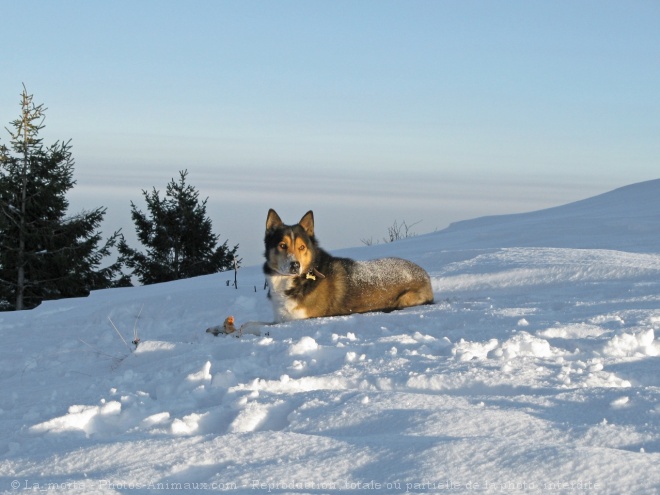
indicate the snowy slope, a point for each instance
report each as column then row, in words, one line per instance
column 627, row 218
column 536, row 371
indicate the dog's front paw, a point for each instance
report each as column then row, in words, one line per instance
column 251, row 327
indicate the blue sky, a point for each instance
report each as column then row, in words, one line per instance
column 365, row 111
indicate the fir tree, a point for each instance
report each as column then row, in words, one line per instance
column 43, row 253
column 177, row 235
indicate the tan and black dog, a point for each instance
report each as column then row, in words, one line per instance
column 307, row 282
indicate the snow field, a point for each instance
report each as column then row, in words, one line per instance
column 489, row 386
column 536, row 371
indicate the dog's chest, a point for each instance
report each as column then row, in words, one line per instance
column 285, row 307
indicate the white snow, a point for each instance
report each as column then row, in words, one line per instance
column 536, row 371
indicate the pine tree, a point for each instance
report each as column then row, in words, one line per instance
column 177, row 235
column 43, row 253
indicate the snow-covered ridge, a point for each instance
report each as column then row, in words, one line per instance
column 626, row 219
column 536, row 371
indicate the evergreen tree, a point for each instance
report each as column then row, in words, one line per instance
column 177, row 235
column 43, row 253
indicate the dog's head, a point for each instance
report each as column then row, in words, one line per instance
column 290, row 249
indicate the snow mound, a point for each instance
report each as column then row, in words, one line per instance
column 304, row 346
column 88, row 419
column 641, row 344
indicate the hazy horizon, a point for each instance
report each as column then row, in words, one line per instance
column 366, row 112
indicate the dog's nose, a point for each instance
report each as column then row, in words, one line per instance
column 295, row 267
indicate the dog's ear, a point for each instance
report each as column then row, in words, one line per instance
column 307, row 223
column 273, row 221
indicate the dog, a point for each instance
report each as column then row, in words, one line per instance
column 307, row 282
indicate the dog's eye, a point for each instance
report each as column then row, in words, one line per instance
column 282, row 245
column 301, row 248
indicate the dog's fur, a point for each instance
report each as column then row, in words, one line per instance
column 307, row 282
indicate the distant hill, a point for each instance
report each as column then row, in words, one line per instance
column 625, row 219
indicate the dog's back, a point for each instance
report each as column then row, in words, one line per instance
column 386, row 284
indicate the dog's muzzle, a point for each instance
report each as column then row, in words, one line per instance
column 294, row 268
